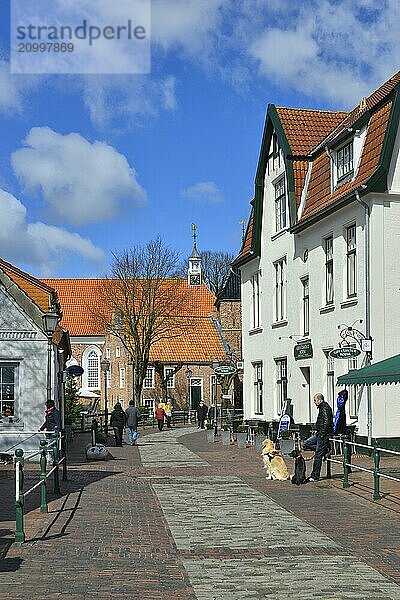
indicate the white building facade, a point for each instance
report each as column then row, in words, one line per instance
column 327, row 203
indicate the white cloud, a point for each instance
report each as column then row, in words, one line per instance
column 10, row 90
column 333, row 51
column 37, row 244
column 132, row 100
column 82, row 182
column 203, row 192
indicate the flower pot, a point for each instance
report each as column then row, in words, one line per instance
column 241, row 438
column 226, row 438
column 210, row 435
column 287, row 446
column 258, row 442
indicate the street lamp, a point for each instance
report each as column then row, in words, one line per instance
column 50, row 320
column 105, row 367
column 189, row 374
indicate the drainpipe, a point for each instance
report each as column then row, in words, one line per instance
column 367, row 311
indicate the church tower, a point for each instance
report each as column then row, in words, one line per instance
column 194, row 270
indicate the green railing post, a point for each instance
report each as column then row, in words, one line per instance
column 19, row 496
column 55, row 438
column 43, row 477
column 346, row 483
column 377, row 458
column 64, row 454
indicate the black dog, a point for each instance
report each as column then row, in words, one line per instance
column 299, row 476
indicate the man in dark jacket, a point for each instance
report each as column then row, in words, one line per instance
column 320, row 442
column 117, row 422
column 202, row 411
column 132, row 417
column 51, row 423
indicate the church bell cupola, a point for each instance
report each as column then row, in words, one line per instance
column 194, row 271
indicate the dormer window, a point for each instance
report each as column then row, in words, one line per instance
column 344, row 162
column 280, row 204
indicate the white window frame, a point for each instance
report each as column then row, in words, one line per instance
column 117, row 352
column 329, row 270
column 255, row 300
column 89, row 351
column 280, row 204
column 280, row 289
column 353, row 391
column 171, row 380
column 281, row 382
column 3, row 388
column 305, row 284
column 330, row 379
column 351, row 261
column 148, row 381
column 258, row 387
column 108, row 377
column 108, row 353
column 122, row 377
column 344, row 162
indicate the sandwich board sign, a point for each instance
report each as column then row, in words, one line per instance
column 284, row 425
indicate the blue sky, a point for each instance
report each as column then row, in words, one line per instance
column 92, row 164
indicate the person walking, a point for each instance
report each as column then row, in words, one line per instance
column 319, row 442
column 202, row 411
column 132, row 417
column 117, row 422
column 160, row 414
column 52, row 421
column 168, row 414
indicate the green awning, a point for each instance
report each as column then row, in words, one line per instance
column 385, row 371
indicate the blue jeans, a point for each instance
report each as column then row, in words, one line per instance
column 132, row 433
column 320, row 445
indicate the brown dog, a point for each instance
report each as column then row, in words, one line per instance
column 273, row 462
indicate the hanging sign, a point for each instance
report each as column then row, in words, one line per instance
column 225, row 370
column 345, row 352
column 303, row 350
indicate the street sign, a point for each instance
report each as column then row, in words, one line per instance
column 284, row 425
column 225, row 370
column 345, row 352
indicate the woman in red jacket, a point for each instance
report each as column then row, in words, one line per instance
column 160, row 414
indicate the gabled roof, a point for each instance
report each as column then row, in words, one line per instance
column 81, row 302
column 303, row 137
column 231, row 289
column 37, row 291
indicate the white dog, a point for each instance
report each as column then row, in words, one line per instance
column 273, row 462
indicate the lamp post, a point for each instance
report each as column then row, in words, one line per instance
column 189, row 374
column 50, row 320
column 105, row 367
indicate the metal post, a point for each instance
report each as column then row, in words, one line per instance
column 328, row 466
column 377, row 457
column 64, row 455
column 105, row 404
column 346, row 483
column 48, row 396
column 56, row 459
column 19, row 496
column 43, row 477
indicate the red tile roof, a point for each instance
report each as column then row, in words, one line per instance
column 305, row 129
column 39, row 292
column 246, row 251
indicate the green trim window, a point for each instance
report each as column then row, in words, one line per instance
column 280, row 204
column 329, row 289
column 255, row 306
column 258, row 387
column 351, row 261
column 344, row 162
column 280, row 290
column 306, row 305
column 8, row 389
column 281, row 382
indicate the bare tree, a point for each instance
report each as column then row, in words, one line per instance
column 142, row 303
column 215, row 267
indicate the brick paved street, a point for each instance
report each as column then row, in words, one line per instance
column 178, row 518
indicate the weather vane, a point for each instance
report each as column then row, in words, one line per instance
column 243, row 229
column 194, row 229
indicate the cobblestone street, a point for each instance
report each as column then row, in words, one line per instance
column 175, row 517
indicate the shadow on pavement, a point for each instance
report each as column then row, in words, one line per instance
column 9, row 565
